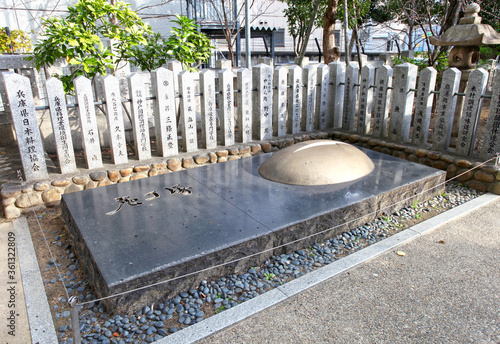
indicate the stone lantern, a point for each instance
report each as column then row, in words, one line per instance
column 466, row 38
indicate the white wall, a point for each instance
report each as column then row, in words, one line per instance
column 27, row 15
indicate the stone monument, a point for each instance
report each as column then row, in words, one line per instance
column 466, row 38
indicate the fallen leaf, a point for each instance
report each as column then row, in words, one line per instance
column 441, row 241
column 116, row 334
column 400, row 253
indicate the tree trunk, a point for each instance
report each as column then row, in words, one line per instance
column 358, row 46
column 330, row 51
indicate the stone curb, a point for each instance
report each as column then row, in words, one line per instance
column 232, row 316
column 39, row 317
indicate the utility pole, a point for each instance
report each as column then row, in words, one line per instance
column 346, row 38
column 247, row 34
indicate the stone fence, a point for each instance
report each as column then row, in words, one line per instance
column 212, row 116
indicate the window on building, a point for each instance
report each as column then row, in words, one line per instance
column 279, row 39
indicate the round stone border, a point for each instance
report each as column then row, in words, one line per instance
column 484, row 179
column 18, row 199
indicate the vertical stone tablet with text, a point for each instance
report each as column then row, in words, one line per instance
column 447, row 102
column 405, row 78
column 350, row 96
column 423, row 108
column 188, row 114
column 176, row 67
column 366, row 99
column 162, row 82
column 118, row 145
column 323, row 79
column 208, row 115
column 262, row 80
column 294, row 99
column 226, row 106
column 140, row 123
column 29, row 140
column 336, row 94
column 86, row 110
column 60, row 125
column 279, row 101
column 244, row 102
column 491, row 145
column 382, row 101
column 309, row 76
column 472, row 106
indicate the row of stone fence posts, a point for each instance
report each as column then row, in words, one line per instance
column 212, row 110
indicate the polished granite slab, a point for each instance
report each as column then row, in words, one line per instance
column 137, row 233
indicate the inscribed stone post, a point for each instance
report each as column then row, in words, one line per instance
column 35, row 82
column 188, row 114
column 323, row 79
column 176, row 67
column 491, row 145
column 309, row 76
column 111, row 89
column 262, row 105
column 122, row 75
column 279, row 101
column 139, row 116
column 294, row 99
column 350, row 96
column 336, row 94
column 365, row 99
column 476, row 86
column 244, row 102
column 382, row 100
column 208, row 115
column 29, row 140
column 162, row 82
column 446, row 109
column 60, row 125
column 405, row 78
column 226, row 106
column 86, row 110
column 423, row 108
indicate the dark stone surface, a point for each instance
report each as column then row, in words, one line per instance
column 231, row 213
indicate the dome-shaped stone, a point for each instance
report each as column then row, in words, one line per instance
column 318, row 162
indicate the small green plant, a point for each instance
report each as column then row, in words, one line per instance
column 79, row 39
column 422, row 61
column 386, row 218
column 415, row 204
column 150, row 56
column 186, row 45
column 18, row 40
column 418, row 216
column 269, row 276
column 220, row 309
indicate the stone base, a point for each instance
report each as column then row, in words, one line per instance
column 199, row 218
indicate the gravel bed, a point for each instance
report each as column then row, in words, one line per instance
column 156, row 321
